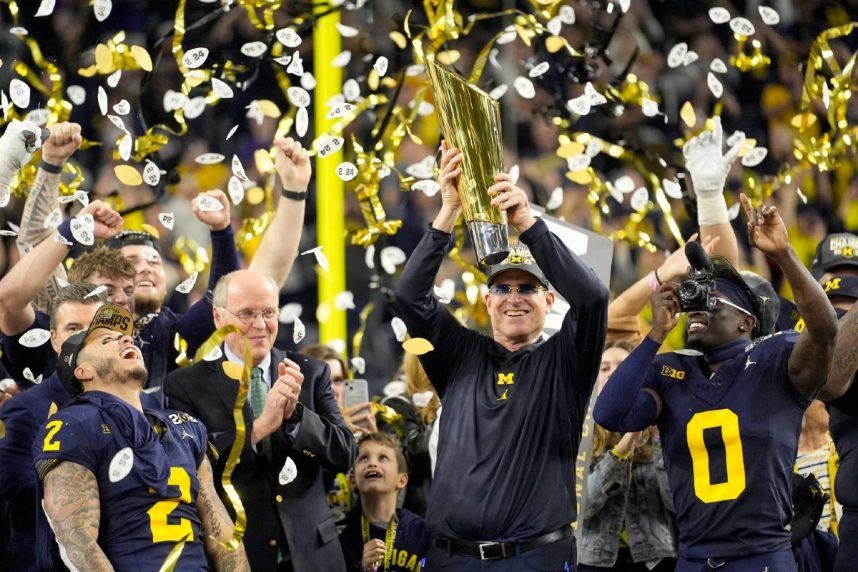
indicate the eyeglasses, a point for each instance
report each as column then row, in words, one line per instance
column 248, row 316
column 714, row 300
column 523, row 290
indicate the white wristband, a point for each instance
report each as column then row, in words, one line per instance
column 712, row 210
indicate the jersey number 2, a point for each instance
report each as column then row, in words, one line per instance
column 728, row 423
column 163, row 531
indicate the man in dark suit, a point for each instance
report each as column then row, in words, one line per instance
column 292, row 424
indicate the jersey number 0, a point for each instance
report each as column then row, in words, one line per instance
column 728, row 423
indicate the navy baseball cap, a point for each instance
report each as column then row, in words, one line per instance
column 769, row 300
column 519, row 258
column 835, row 250
column 108, row 316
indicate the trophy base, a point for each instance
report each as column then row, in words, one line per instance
column 490, row 241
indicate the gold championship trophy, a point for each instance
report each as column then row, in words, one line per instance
column 470, row 120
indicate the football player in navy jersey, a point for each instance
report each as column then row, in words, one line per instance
column 127, row 488
column 729, row 412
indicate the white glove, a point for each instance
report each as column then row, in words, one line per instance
column 17, row 145
column 708, row 168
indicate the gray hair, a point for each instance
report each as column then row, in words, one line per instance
column 79, row 293
column 220, row 289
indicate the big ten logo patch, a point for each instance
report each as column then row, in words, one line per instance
column 668, row 371
column 505, row 379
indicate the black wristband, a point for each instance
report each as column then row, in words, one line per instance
column 53, row 169
column 655, row 272
column 294, row 195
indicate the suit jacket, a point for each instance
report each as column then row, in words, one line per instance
column 298, row 512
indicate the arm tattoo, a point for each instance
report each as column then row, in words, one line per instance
column 41, row 201
column 217, row 525
column 72, row 507
column 845, row 360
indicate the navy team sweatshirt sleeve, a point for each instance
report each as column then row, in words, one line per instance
column 423, row 314
column 623, row 405
column 197, row 324
column 582, row 335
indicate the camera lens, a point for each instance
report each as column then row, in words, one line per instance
column 692, row 296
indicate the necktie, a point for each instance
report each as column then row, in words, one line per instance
column 258, row 390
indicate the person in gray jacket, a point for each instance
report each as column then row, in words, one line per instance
column 626, row 522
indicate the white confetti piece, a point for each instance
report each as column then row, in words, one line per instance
column 676, row 55
column 209, row 158
column 195, row 107
column 45, row 8
column 19, row 93
column 578, row 162
column 4, row 232
column 755, row 156
column 424, row 169
column 769, row 16
column 639, row 199
column 690, row 58
column 329, row 145
column 594, row 97
column 358, row 364
column 625, row 184
column 508, row 36
column 671, row 188
column 625, row 5
column 649, row 107
column 346, row 31
column 742, row 26
column 567, row 14
column 167, row 220
column 195, row 57
column 96, row 291
column 308, row 81
column 187, row 284
column 594, row 147
column 37, row 116
column 422, row 398
column 60, row 239
column 555, row 200
column 391, row 257
column 298, row 331
column 238, row 168
column 174, row 100
column 117, row 122
column 446, row 291
column 151, row 174
column 235, row 189
column 719, row 15
column 351, row 90
column 76, row 94
column 499, row 91
column 339, row 110
column 346, row 171
column 214, row 355
column 399, row 329
column 321, row 259
column 380, row 66
column 254, row 49
column 125, row 145
column 524, row 87
column 231, row 132
column 83, row 229
column 289, row 312
column 514, row 173
column 344, row 300
column 122, row 108
column 34, row 338
column 221, row 89
column 718, row 66
column 802, row 197
column 539, row 69
column 427, row 186
column 288, row 37
column 283, row 60
column 714, row 84
column 302, row 121
column 579, row 105
column 53, row 219
column 737, row 137
column 288, row 472
column 733, row 211
column 554, row 26
column 28, row 375
column 18, row 31
column 102, row 9
column 209, row 204
column 81, row 197
column 120, row 465
column 296, row 65
column 298, row 96
column 113, row 79
column 342, row 59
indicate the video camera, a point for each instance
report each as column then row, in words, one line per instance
column 695, row 292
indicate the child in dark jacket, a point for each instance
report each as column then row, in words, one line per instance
column 378, row 536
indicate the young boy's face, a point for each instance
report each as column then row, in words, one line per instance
column 376, row 470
